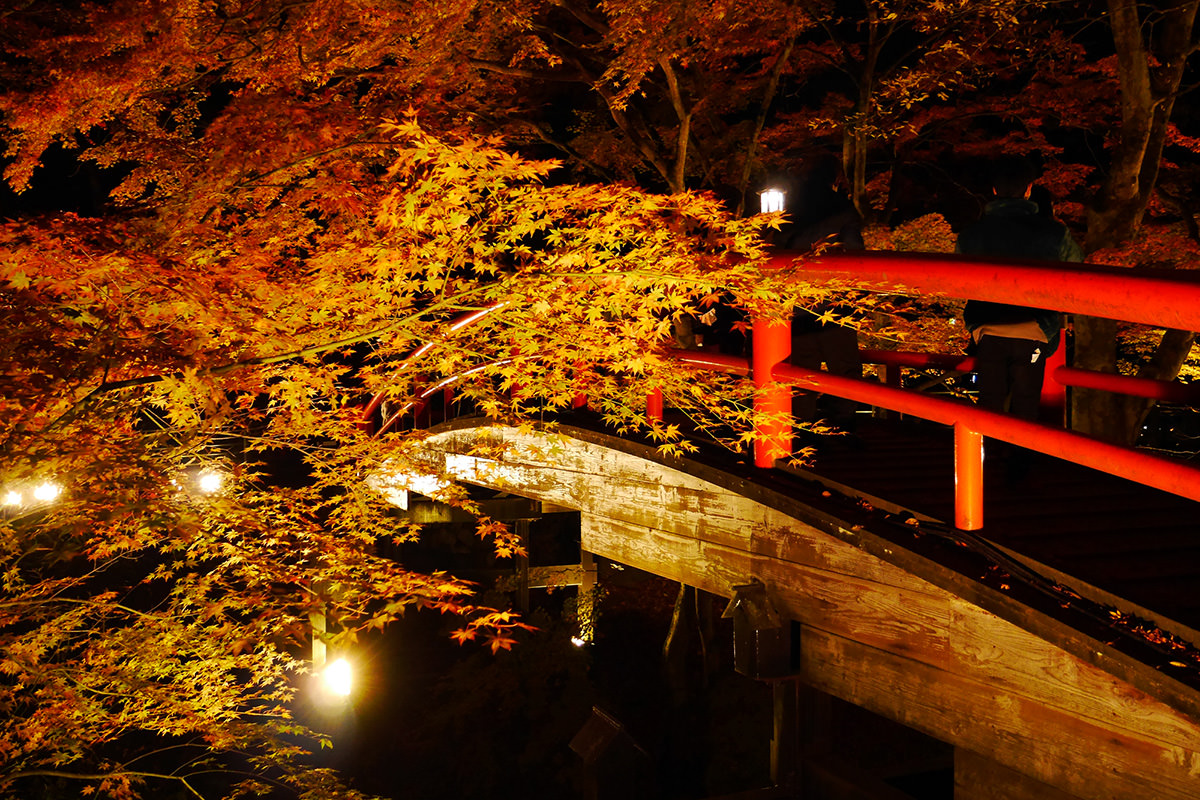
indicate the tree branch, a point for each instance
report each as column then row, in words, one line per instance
column 685, row 119
column 517, row 72
column 99, row 776
column 760, row 121
column 108, row 387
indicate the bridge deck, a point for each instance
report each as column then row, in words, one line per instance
column 928, row 626
column 1136, row 543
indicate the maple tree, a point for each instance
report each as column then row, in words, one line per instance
column 894, row 75
column 154, row 634
column 973, row 91
column 302, row 194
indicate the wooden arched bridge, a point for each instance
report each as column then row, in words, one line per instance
column 1047, row 630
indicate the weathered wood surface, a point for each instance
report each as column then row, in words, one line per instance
column 879, row 628
column 977, row 778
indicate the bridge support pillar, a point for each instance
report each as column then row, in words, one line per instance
column 522, row 564
column 786, row 732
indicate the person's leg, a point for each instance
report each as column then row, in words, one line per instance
column 839, row 349
column 806, row 352
column 993, row 359
column 992, row 372
column 1027, row 371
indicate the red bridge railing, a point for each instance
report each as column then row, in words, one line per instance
column 1157, row 299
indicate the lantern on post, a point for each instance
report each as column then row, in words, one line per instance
column 762, row 642
column 771, row 199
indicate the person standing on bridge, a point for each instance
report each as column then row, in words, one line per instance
column 1010, row 342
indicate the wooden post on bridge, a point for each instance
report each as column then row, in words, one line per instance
column 772, row 400
column 654, row 405
column 1053, row 402
column 968, row 478
column 522, row 566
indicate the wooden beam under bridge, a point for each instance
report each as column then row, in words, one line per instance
column 881, row 626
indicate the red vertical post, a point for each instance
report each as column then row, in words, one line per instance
column 654, row 405
column 772, row 345
column 968, row 478
column 1053, row 405
column 581, row 399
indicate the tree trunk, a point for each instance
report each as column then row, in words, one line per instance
column 1115, row 417
column 1094, row 412
column 760, row 121
column 1150, row 72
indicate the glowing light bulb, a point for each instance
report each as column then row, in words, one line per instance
column 771, row 200
column 46, row 492
column 12, row 498
column 209, row 482
column 338, row 677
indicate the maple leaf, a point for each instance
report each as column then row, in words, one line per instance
column 501, row 641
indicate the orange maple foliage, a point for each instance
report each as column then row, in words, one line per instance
column 140, row 356
column 281, row 235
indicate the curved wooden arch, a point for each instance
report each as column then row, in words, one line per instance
column 881, row 626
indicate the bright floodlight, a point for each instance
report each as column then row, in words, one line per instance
column 771, row 200
column 209, row 481
column 12, row 498
column 46, row 492
column 337, row 677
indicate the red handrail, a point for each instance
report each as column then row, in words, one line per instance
column 905, row 358
column 1158, row 298
column 1166, row 391
column 1161, row 473
column 455, row 325
column 1170, row 299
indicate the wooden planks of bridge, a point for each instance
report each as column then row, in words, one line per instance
column 894, row 614
column 1139, row 548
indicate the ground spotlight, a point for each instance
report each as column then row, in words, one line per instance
column 209, row 481
column 46, row 492
column 25, row 498
column 338, row 677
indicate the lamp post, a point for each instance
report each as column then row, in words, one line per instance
column 336, row 676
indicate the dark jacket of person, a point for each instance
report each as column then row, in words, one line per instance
column 1013, row 228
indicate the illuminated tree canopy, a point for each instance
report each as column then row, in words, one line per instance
column 299, row 195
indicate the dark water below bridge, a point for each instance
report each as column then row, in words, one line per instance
column 434, row 720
